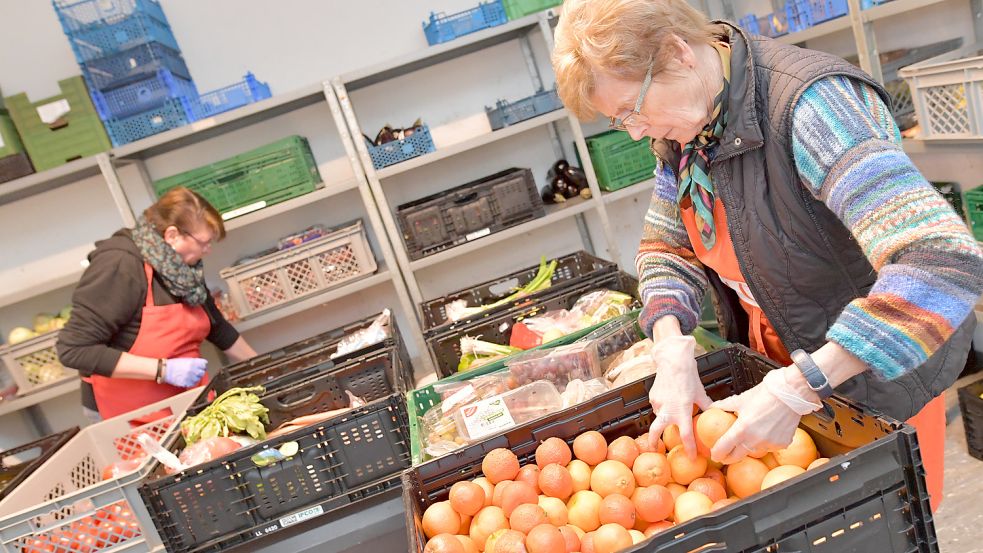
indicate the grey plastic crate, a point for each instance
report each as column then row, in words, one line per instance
column 947, row 92
column 34, row 364
column 509, row 113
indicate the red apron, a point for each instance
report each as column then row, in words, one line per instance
column 166, row 331
column 929, row 423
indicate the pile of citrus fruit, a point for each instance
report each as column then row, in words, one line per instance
column 602, row 497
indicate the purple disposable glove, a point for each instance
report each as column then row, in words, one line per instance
column 184, row 372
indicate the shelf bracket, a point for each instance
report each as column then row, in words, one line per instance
column 116, row 190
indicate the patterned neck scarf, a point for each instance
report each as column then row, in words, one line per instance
column 183, row 281
column 694, row 164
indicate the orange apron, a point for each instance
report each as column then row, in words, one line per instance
column 166, row 331
column 929, row 423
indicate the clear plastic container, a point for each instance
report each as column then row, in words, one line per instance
column 501, row 412
column 615, row 336
column 558, row 365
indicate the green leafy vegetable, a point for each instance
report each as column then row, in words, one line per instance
column 237, row 411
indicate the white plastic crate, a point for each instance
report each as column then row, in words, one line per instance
column 282, row 277
column 34, row 364
column 948, row 93
column 66, row 506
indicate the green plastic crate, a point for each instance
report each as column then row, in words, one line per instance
column 420, row 401
column 515, row 9
column 974, row 209
column 74, row 134
column 10, row 143
column 252, row 180
column 618, row 160
column 950, row 191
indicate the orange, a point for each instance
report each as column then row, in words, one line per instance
column 708, row 487
column 818, row 462
column 526, row 517
column 612, row 477
column 444, row 543
column 441, row 518
column 675, row 489
column 587, row 543
column 485, row 523
column 657, row 527
column 710, row 426
column 636, row 536
column 769, row 460
column 556, row 510
column 555, row 481
column 517, row 494
column 571, row 537
column 582, row 510
column 670, row 436
column 590, row 447
column 468, row 543
column 715, row 474
column 499, row 492
column 617, row 509
column 465, row 524
column 488, row 487
column 723, row 503
column 650, row 469
column 623, row 449
column 684, row 469
column 690, row 505
column 580, row 473
column 553, row 450
column 467, row 498
column 500, row 464
column 610, row 538
column 644, row 446
column 546, row 538
column 505, row 541
column 801, row 452
column 744, row 477
column 653, row 503
column 780, row 474
column 530, row 475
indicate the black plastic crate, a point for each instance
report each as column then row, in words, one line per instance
column 951, row 192
column 469, row 211
column 13, row 472
column 341, row 461
column 445, row 348
column 570, row 269
column 369, row 373
column 15, row 166
column 872, row 499
column 971, row 406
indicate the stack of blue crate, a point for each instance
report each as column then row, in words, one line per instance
column 137, row 77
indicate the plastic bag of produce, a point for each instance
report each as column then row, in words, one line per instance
column 578, row 391
column 373, row 334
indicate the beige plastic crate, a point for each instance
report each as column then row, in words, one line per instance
column 65, row 503
column 305, row 270
column 948, row 93
column 34, row 364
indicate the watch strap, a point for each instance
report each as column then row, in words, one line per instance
column 815, row 378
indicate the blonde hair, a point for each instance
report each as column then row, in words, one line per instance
column 619, row 37
column 184, row 209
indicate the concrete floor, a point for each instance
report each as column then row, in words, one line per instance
column 959, row 521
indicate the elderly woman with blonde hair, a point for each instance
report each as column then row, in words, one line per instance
column 782, row 188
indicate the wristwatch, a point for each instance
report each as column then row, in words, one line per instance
column 160, row 371
column 815, row 378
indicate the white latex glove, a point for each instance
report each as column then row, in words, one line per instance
column 676, row 388
column 767, row 416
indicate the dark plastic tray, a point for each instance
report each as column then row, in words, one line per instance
column 971, row 406
column 445, row 348
column 469, row 212
column 15, row 166
column 570, row 269
column 873, row 499
column 341, row 461
column 13, row 474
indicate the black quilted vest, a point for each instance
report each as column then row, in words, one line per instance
column 800, row 262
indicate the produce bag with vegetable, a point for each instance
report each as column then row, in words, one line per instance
column 373, row 334
column 458, row 309
column 475, row 353
column 237, row 411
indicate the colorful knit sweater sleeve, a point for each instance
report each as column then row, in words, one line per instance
column 848, row 153
column 671, row 279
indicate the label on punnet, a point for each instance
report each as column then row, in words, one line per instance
column 477, row 234
column 306, row 514
column 487, row 417
column 243, row 210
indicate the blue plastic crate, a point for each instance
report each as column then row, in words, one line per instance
column 86, row 15
column 172, row 114
column 417, row 144
column 247, row 91
column 132, row 31
column 802, row 14
column 133, row 64
column 142, row 95
column 774, row 24
column 750, row 24
column 509, row 113
column 444, row 28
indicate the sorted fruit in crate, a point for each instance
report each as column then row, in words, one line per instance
column 565, row 182
column 42, row 373
column 237, row 411
column 590, row 309
column 558, row 365
column 389, row 134
column 476, row 353
column 20, row 334
column 458, row 309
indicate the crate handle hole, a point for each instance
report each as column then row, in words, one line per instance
column 834, row 478
column 500, row 289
